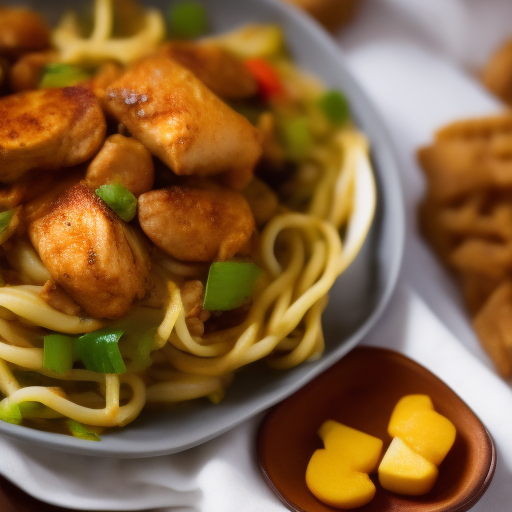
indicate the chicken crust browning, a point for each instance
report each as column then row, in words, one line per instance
column 122, row 160
column 84, row 246
column 223, row 73
column 182, row 122
column 22, row 31
column 48, row 129
column 197, row 222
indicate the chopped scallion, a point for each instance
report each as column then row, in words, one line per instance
column 10, row 413
column 37, row 410
column 5, row 220
column 230, row 285
column 62, row 75
column 81, row 431
column 99, row 351
column 141, row 350
column 58, row 353
column 296, row 137
column 138, row 339
column 335, row 107
column 188, row 20
column 120, row 199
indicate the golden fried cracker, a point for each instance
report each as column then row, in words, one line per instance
column 442, row 241
column 497, row 74
column 488, row 258
column 467, row 218
column 486, row 215
column 468, row 156
column 493, row 325
column 476, row 289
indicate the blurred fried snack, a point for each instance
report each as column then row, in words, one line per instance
column 467, row 218
column 493, row 325
column 497, row 74
column 332, row 14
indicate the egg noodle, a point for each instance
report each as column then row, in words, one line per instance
column 301, row 252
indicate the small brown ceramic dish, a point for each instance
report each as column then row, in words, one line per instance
column 361, row 391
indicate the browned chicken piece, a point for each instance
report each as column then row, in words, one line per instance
column 108, row 73
column 48, row 129
column 22, row 31
column 122, row 160
column 200, row 221
column 183, row 123
column 223, row 73
column 262, row 200
column 26, row 73
column 58, row 299
column 85, row 247
column 35, row 205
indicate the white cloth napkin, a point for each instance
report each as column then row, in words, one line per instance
column 414, row 59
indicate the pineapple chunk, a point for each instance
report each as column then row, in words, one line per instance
column 406, row 472
column 338, row 474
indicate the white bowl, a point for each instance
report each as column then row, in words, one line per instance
column 356, row 300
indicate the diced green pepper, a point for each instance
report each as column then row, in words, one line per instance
column 120, row 199
column 188, row 20
column 335, row 106
column 81, row 431
column 230, row 284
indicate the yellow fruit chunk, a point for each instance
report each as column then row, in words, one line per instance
column 356, row 446
column 429, row 434
column 338, row 475
column 333, row 481
column 425, row 431
column 405, row 472
column 405, row 407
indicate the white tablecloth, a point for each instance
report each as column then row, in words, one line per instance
column 415, row 59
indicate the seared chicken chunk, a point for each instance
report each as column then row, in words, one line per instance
column 26, row 73
column 122, row 160
column 48, row 129
column 38, row 204
column 182, row 122
column 87, row 252
column 22, row 31
column 200, row 221
column 223, row 73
